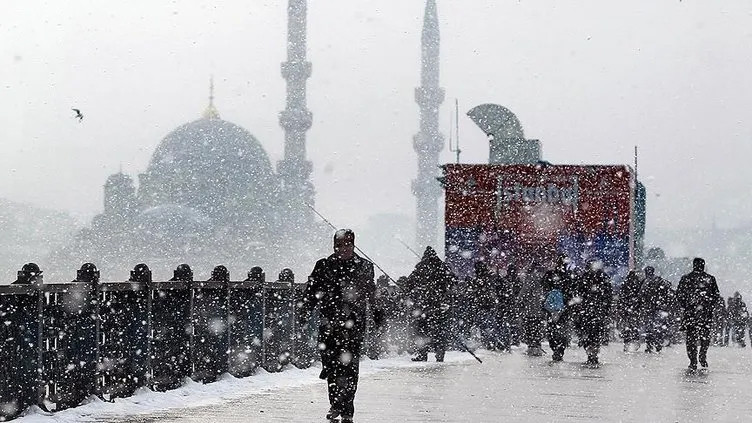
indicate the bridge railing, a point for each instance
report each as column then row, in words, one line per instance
column 60, row 343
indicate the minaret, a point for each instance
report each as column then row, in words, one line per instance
column 428, row 142
column 294, row 169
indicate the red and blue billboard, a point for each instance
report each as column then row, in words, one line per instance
column 528, row 214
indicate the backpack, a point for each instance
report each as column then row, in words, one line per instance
column 554, row 301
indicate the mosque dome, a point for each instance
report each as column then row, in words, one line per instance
column 205, row 164
column 172, row 220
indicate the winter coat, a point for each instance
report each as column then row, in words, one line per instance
column 629, row 297
column 484, row 292
column 593, row 299
column 697, row 295
column 655, row 296
column 344, row 290
column 507, row 291
column 531, row 296
column 737, row 311
column 432, row 281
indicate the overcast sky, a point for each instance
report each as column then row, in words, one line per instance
column 589, row 78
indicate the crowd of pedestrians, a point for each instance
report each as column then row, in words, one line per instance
column 431, row 310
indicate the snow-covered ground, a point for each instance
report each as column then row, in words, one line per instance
column 194, row 394
column 506, row 387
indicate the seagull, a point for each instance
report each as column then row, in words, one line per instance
column 78, row 116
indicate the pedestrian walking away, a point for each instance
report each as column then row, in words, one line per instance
column 697, row 294
column 629, row 311
column 432, row 281
column 655, row 298
column 737, row 317
column 557, row 286
column 595, row 294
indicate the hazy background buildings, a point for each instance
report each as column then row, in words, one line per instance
column 589, row 79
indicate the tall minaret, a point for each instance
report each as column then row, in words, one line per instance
column 294, row 169
column 428, row 142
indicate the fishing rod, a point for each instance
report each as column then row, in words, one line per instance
column 462, row 344
column 356, row 247
column 408, row 247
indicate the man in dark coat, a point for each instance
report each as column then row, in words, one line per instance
column 737, row 318
column 432, row 280
column 655, row 299
column 530, row 301
column 485, row 288
column 629, row 311
column 558, row 282
column 697, row 295
column 720, row 316
column 594, row 295
column 508, row 291
column 342, row 286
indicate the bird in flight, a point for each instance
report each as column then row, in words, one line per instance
column 78, row 116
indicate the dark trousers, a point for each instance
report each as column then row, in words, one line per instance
column 341, row 371
column 655, row 331
column 592, row 337
column 435, row 341
column 558, row 337
column 698, row 333
column 631, row 329
column 488, row 326
column 737, row 329
column 533, row 330
column 432, row 335
column 340, row 364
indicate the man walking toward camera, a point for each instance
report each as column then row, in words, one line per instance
column 342, row 286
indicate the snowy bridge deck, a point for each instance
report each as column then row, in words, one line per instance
column 636, row 387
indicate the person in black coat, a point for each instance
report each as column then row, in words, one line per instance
column 509, row 315
column 737, row 318
column 343, row 287
column 697, row 295
column 558, row 281
column 720, row 316
column 629, row 310
column 655, row 303
column 432, row 281
column 484, row 295
column 530, row 302
column 594, row 295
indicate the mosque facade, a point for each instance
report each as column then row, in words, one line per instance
column 210, row 194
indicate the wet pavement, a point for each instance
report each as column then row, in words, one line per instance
column 513, row 387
